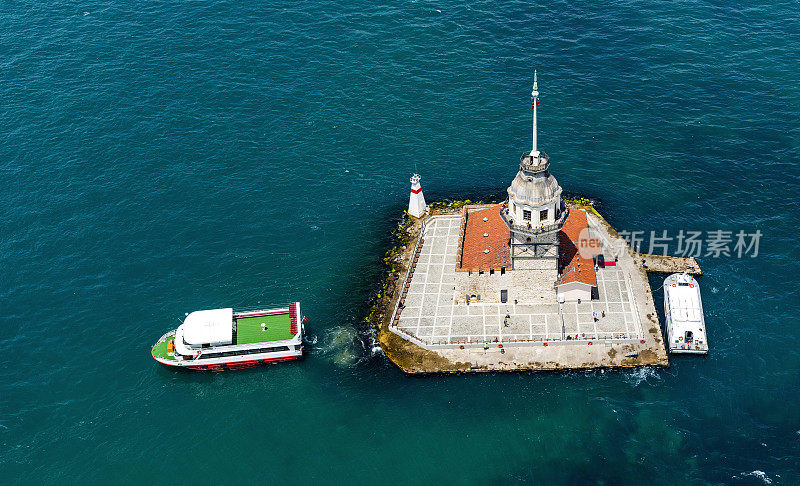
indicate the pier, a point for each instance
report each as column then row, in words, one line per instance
column 668, row 264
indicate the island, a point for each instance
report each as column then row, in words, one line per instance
column 535, row 282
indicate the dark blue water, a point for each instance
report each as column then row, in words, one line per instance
column 162, row 157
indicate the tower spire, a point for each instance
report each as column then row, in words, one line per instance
column 534, row 103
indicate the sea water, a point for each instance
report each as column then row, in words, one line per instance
column 162, row 157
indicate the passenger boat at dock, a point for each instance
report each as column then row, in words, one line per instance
column 219, row 339
column 686, row 326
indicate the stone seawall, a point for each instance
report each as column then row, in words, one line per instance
column 496, row 355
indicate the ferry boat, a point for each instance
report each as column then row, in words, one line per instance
column 219, row 339
column 686, row 326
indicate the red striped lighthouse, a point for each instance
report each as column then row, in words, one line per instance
column 416, row 202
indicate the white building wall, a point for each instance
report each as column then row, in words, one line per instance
column 573, row 291
column 518, row 215
column 524, row 286
column 487, row 285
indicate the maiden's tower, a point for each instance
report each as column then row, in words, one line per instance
column 521, row 284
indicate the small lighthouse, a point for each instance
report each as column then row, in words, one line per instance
column 416, row 202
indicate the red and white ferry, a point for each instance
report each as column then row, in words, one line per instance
column 219, row 339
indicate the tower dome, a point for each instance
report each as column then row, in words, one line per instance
column 534, row 196
column 534, row 185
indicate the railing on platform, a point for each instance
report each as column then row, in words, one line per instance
column 636, row 315
column 409, row 272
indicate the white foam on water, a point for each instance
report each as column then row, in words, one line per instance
column 338, row 346
column 641, row 375
column 758, row 474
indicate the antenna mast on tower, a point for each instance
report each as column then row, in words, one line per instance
column 534, row 103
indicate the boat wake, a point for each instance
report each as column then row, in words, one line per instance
column 340, row 346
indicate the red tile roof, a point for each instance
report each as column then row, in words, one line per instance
column 578, row 265
column 473, row 244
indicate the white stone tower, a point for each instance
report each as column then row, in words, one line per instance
column 416, row 202
column 534, row 211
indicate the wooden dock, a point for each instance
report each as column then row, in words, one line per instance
column 669, row 264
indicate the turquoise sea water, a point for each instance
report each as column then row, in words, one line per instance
column 161, row 157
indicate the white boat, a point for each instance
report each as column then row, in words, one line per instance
column 686, row 325
column 221, row 338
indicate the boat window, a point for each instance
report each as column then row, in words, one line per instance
column 683, row 284
column 223, row 354
column 270, row 350
column 217, row 355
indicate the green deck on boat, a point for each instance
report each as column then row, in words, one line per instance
column 277, row 327
column 160, row 349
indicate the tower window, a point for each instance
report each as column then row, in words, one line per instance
column 526, row 215
column 543, row 215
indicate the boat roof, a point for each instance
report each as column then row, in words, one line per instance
column 685, row 305
column 213, row 326
column 684, row 298
column 265, row 328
